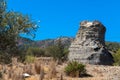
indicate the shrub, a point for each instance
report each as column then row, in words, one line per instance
column 112, row 46
column 74, row 69
column 116, row 57
column 36, row 51
column 29, row 59
column 57, row 53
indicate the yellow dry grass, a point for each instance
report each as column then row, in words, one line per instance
column 99, row 72
column 32, row 78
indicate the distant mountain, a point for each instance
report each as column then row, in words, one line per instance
column 66, row 41
column 22, row 41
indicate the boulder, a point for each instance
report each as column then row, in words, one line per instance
column 89, row 45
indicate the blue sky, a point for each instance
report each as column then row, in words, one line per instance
column 62, row 17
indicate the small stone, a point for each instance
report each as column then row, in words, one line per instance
column 25, row 75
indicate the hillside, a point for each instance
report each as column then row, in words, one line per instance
column 66, row 41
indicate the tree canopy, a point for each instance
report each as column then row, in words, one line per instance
column 12, row 24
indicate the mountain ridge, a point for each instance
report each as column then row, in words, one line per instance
column 66, row 41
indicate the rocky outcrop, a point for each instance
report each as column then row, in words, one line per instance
column 89, row 44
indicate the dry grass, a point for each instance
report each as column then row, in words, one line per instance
column 42, row 73
column 37, row 66
column 39, row 70
column 52, row 73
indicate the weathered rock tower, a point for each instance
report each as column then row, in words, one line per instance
column 89, row 45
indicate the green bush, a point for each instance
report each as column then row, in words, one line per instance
column 74, row 69
column 29, row 59
column 116, row 57
column 112, row 46
column 36, row 51
column 57, row 53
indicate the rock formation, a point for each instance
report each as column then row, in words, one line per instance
column 89, row 45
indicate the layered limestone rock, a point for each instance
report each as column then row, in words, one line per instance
column 89, row 45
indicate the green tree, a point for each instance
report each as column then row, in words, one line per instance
column 58, row 52
column 12, row 25
column 36, row 51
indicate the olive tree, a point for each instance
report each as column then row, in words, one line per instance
column 12, row 24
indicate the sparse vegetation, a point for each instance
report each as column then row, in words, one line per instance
column 113, row 46
column 52, row 73
column 29, row 59
column 116, row 57
column 74, row 69
column 36, row 51
column 58, row 52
